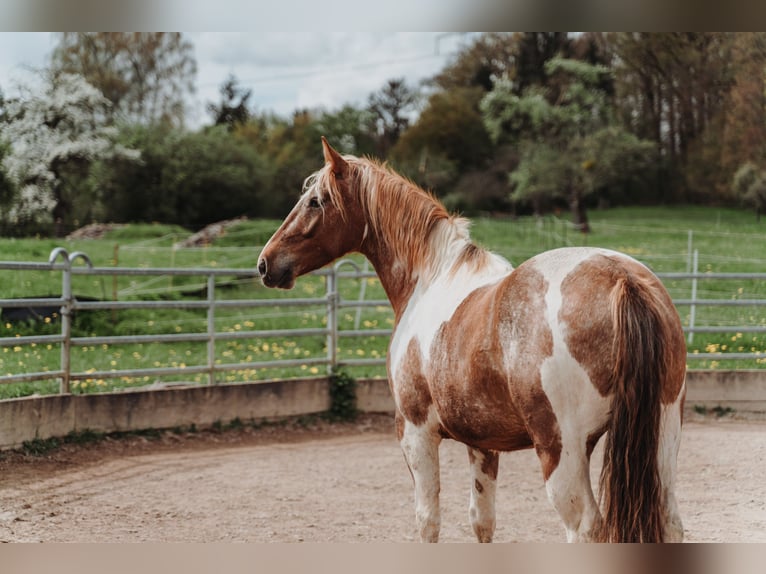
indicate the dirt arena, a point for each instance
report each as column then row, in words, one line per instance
column 333, row 483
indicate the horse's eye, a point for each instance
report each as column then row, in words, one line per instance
column 314, row 202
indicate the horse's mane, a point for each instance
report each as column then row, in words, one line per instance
column 410, row 221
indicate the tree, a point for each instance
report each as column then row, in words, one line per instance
column 54, row 137
column 390, row 107
column 744, row 128
column 186, row 178
column 457, row 152
column 349, row 129
column 145, row 75
column 448, row 149
column 570, row 145
column 490, row 57
column 672, row 89
column 7, row 188
column 749, row 185
column 450, row 124
column 200, row 168
column 233, row 109
column 446, row 146
column 533, row 51
column 290, row 145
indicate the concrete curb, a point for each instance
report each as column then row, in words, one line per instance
column 44, row 417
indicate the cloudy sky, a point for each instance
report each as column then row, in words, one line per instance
column 285, row 71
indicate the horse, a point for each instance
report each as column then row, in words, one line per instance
column 572, row 344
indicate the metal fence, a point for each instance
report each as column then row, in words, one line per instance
column 66, row 263
column 62, row 261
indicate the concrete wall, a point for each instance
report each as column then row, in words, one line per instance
column 57, row 415
column 742, row 391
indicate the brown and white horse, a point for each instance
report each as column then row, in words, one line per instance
column 572, row 344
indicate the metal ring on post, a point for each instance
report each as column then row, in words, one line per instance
column 56, row 252
column 351, row 262
column 83, row 256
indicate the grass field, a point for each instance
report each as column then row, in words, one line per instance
column 727, row 240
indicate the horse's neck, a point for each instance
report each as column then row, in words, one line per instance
column 411, row 240
column 446, row 247
column 397, row 282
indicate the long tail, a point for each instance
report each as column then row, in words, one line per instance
column 630, row 486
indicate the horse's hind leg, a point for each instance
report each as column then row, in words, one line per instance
column 484, row 465
column 670, row 439
column 569, row 490
column 420, row 445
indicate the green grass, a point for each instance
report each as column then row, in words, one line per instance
column 727, row 240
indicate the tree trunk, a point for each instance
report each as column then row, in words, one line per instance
column 579, row 216
column 60, row 210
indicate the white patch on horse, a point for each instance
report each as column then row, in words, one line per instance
column 420, row 445
column 670, row 441
column 481, row 510
column 434, row 302
column 568, row 386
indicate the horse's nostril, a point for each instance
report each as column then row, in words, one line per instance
column 262, row 267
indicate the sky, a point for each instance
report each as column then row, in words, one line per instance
column 285, row 70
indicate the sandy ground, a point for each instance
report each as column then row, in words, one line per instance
column 333, row 483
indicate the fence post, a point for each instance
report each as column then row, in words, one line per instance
column 67, row 304
column 693, row 309
column 211, row 329
column 66, row 327
column 689, row 243
column 332, row 320
column 362, row 292
column 115, row 263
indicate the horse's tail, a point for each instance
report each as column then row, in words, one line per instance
column 630, row 486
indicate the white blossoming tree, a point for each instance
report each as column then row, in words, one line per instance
column 53, row 135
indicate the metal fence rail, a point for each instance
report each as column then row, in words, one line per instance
column 65, row 263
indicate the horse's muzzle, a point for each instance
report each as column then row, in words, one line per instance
column 275, row 277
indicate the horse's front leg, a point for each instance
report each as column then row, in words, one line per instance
column 484, row 464
column 420, row 445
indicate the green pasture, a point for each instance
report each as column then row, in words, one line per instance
column 727, row 240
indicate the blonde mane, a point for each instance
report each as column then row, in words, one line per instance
column 410, row 221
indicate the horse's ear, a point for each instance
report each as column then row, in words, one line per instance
column 337, row 163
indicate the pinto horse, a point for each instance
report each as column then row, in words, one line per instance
column 573, row 344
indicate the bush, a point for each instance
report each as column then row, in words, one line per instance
column 342, row 397
column 187, row 179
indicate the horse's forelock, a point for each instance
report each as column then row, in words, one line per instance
column 324, row 180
